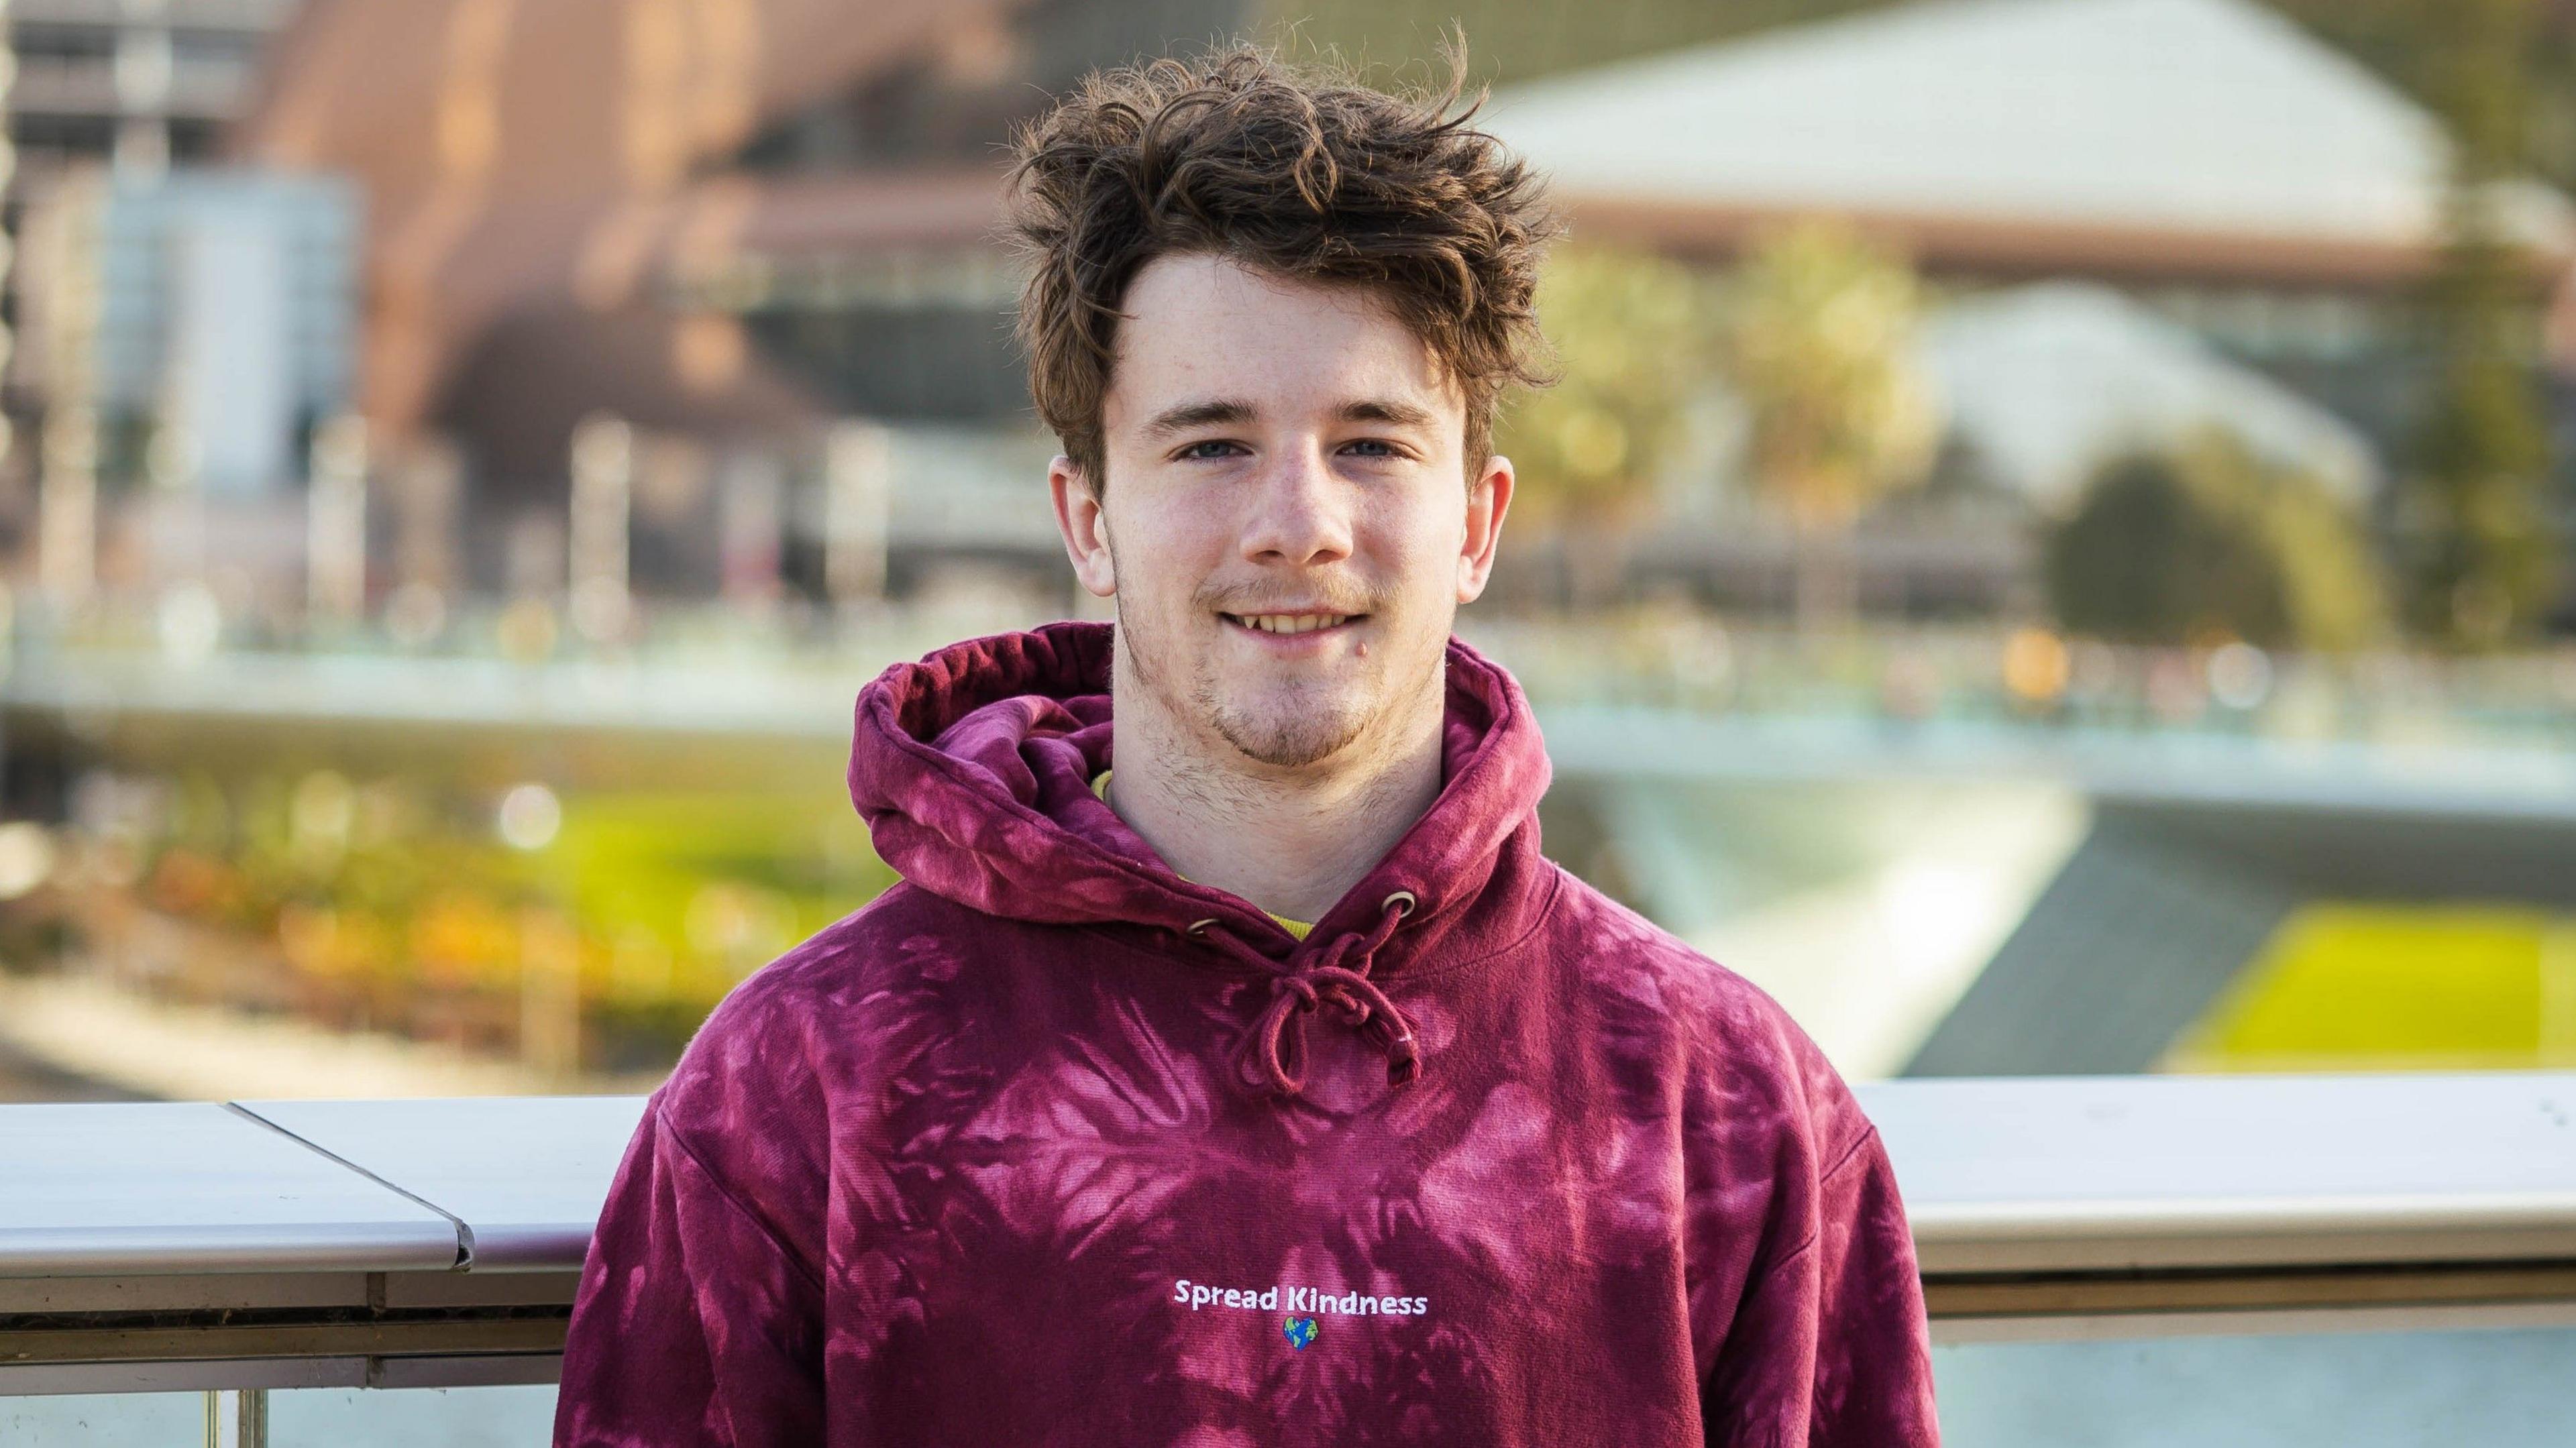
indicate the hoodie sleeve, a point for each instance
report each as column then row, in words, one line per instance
column 1829, row 1347
column 693, row 1323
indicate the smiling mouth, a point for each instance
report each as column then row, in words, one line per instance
column 1291, row 623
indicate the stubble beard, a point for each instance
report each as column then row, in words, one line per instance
column 1299, row 729
column 1304, row 724
column 1292, row 727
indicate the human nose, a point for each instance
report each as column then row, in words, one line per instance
column 1303, row 515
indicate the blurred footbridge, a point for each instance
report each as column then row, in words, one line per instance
column 1987, row 898
column 1941, row 896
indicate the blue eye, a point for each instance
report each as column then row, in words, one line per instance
column 1384, row 450
column 1199, row 449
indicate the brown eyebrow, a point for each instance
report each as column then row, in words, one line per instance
column 1172, row 421
column 1229, row 412
column 1386, row 410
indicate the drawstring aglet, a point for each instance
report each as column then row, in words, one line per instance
column 1403, row 1060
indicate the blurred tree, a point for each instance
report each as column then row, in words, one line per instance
column 2207, row 539
column 2476, row 528
column 1819, row 346
column 1634, row 340
column 2413, row 44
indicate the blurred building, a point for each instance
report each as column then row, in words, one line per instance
column 205, row 313
column 2050, row 381
column 144, row 83
column 730, row 226
column 186, row 334
column 724, row 231
column 136, row 85
column 2207, row 156
column 2205, row 162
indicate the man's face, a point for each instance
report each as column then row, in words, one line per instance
column 1288, row 523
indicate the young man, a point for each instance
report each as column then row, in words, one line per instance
column 1270, row 1087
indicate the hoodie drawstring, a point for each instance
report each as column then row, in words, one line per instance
column 1273, row 1052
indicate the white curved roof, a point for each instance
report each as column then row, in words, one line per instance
column 2050, row 381
column 2197, row 115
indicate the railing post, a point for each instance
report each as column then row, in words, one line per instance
column 237, row 1418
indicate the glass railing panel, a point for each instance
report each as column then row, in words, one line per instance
column 104, row 1420
column 2496, row 1387
column 478, row 1417
column 411, row 1417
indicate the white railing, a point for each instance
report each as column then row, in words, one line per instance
column 296, row 1244
column 2134, row 1205
column 236, row 1248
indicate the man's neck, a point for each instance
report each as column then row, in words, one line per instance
column 1292, row 842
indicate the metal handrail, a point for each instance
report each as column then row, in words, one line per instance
column 255, row 1245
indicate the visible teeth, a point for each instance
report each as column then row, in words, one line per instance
column 1292, row 623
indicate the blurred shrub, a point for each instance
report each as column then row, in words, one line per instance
column 394, row 902
column 2477, row 537
column 2209, row 540
column 1635, row 337
column 1819, row 346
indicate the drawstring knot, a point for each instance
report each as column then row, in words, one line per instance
column 1273, row 1053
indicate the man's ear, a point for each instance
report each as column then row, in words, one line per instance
column 1488, row 498
column 1085, row 526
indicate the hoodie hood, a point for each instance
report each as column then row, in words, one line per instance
column 973, row 769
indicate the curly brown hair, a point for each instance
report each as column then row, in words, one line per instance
column 1304, row 173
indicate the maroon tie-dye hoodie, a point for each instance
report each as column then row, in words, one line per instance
column 1052, row 1146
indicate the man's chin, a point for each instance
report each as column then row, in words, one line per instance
column 1288, row 738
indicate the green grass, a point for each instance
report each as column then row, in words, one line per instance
column 643, row 858
column 2373, row 987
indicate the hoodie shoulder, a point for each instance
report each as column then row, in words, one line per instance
column 780, row 1021
column 755, row 1096
column 1739, row 1046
